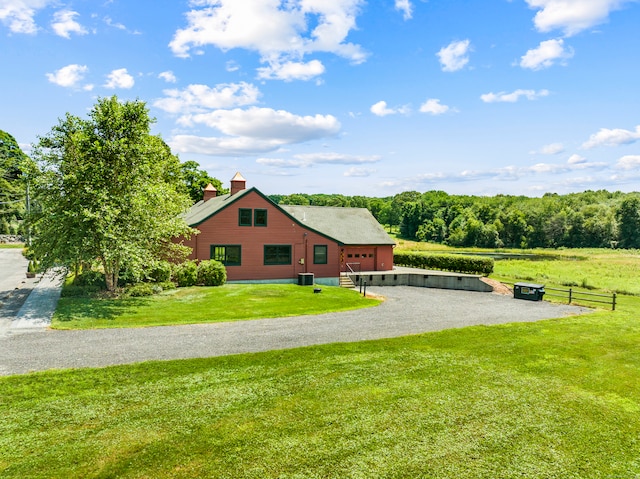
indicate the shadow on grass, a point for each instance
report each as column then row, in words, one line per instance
column 70, row 309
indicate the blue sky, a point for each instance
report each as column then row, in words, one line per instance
column 348, row 96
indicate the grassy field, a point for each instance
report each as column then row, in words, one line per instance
column 231, row 302
column 605, row 270
column 550, row 399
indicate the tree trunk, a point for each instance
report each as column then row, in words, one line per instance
column 111, row 274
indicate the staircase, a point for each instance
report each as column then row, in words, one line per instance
column 345, row 281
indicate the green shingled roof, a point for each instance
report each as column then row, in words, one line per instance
column 204, row 209
column 349, row 226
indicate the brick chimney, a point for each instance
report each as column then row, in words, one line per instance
column 238, row 183
column 209, row 192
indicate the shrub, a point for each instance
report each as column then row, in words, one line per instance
column 446, row 262
column 186, row 274
column 28, row 253
column 166, row 285
column 129, row 276
column 89, row 277
column 211, row 273
column 139, row 290
column 159, row 272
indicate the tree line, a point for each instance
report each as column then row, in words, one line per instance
column 591, row 219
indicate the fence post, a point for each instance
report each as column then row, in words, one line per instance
column 365, row 289
column 613, row 302
column 570, row 295
column 360, row 281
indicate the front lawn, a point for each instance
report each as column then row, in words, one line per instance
column 551, row 399
column 231, row 302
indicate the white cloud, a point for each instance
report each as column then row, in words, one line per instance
column 268, row 123
column 405, row 7
column 19, row 14
column 381, row 109
column 289, row 71
column 513, row 96
column 200, row 98
column 69, row 76
column 232, row 66
column 454, row 56
column 110, row 23
column 629, row 162
column 216, row 146
column 577, row 160
column 119, row 26
column 280, row 31
column 547, row 53
column 613, row 137
column 280, row 163
column 506, row 173
column 119, row 79
column 337, row 158
column 572, row 16
column 168, row 76
column 551, row 149
column 433, row 107
column 546, row 168
column 359, row 172
column 253, row 131
column 64, row 24
column 574, row 163
column 312, row 159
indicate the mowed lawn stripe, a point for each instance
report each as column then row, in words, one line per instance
column 231, row 302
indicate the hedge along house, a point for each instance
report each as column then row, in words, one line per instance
column 260, row 241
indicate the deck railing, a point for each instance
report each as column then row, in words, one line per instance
column 354, row 267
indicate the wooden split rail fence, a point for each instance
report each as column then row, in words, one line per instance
column 581, row 296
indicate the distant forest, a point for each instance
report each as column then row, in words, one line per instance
column 592, row 219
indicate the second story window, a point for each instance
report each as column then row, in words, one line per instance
column 260, row 218
column 244, row 217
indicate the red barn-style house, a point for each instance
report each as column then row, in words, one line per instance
column 260, row 241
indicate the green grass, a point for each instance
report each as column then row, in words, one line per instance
column 231, row 302
column 552, row 399
column 602, row 270
column 11, row 245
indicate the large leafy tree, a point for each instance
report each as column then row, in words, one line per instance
column 15, row 168
column 196, row 180
column 108, row 190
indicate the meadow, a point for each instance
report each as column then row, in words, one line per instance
column 553, row 399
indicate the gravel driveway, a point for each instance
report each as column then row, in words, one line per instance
column 407, row 310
